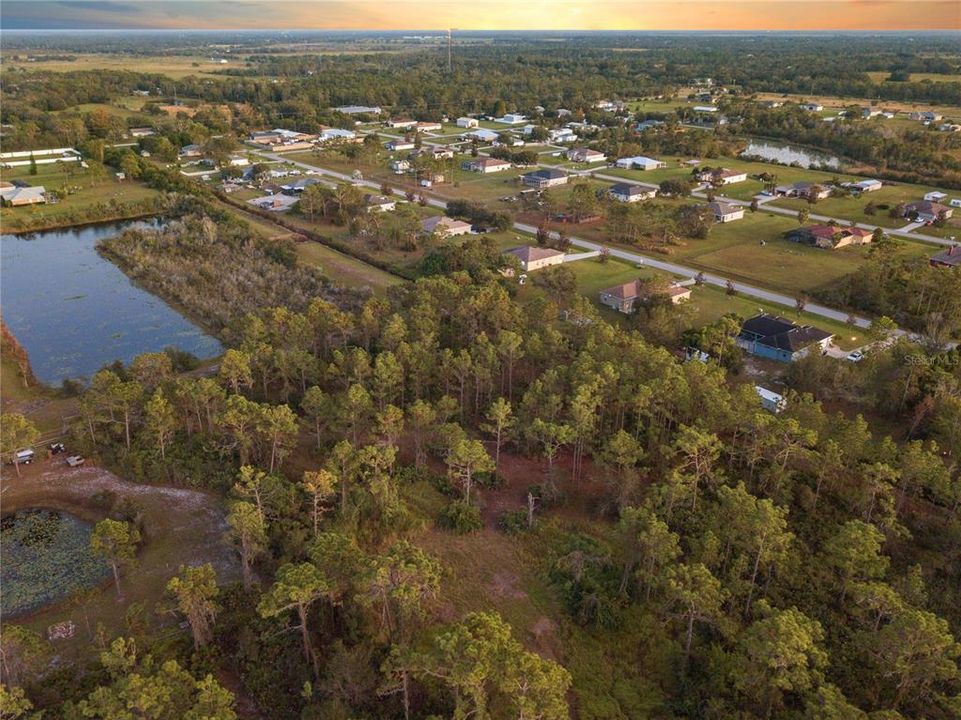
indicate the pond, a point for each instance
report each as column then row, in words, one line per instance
column 785, row 154
column 74, row 311
column 46, row 557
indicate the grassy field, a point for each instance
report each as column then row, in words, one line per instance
column 852, row 208
column 344, row 269
column 173, row 66
column 85, row 188
column 833, row 104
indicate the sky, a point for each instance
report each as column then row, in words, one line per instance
column 484, row 14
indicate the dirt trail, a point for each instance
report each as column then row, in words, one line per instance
column 180, row 526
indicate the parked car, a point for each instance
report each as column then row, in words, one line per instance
column 57, row 448
column 24, row 457
column 856, row 356
column 75, row 461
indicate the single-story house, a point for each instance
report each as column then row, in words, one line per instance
column 379, row 203
column 238, row 161
column 804, row 190
column 721, row 176
column 648, row 125
column 359, row 110
column 629, row 192
column 140, row 132
column 585, row 155
column 812, row 107
column 485, row 165
column 401, row 144
column 437, row 152
column 925, row 116
column 927, row 211
column 535, row 258
column 298, row 186
column 770, row 400
column 337, row 134
column 399, row 167
column 865, row 186
column 829, row 237
column 443, row 225
column 868, row 113
column 936, row 196
column 189, row 151
column 481, row 134
column 511, row 119
column 776, row 338
column 950, row 258
column 725, row 212
column 429, row 126
column 274, row 203
column 467, row 122
column 561, row 135
column 402, row 123
column 639, row 162
column 705, row 108
column 949, row 127
column 281, row 139
column 624, row 297
column 544, row 178
column 17, row 196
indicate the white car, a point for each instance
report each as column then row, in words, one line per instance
column 856, row 356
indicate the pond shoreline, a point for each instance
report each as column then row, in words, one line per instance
column 39, row 318
column 181, row 527
column 82, row 224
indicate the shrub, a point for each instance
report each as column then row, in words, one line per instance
column 461, row 517
column 513, row 522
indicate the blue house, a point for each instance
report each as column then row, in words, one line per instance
column 776, row 338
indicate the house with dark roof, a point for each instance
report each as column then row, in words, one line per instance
column 629, row 192
column 805, row 190
column 830, row 237
column 544, row 178
column 776, row 338
column 950, row 258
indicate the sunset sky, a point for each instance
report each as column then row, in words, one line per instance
column 487, row 14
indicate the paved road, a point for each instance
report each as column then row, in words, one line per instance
column 636, row 258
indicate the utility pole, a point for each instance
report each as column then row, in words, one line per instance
column 449, row 41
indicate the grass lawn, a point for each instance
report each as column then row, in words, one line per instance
column 852, row 208
column 344, row 269
column 712, row 303
column 173, row 66
column 85, row 188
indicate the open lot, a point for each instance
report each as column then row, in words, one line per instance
column 344, row 269
column 83, row 190
column 174, row 66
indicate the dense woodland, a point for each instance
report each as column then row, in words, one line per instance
column 734, row 563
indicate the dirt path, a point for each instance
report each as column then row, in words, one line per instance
column 181, row 527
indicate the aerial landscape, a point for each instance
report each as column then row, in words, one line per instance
column 369, row 360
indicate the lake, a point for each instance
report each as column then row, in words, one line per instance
column 785, row 154
column 73, row 311
column 46, row 557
